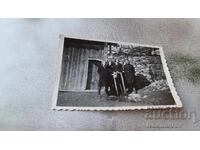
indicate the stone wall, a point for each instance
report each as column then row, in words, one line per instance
column 146, row 60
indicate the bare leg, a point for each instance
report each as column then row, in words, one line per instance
column 106, row 90
column 99, row 90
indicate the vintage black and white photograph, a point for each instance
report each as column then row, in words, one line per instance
column 107, row 75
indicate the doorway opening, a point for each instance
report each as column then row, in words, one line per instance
column 93, row 76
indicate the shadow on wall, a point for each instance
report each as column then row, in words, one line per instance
column 141, row 81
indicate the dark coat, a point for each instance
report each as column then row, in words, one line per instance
column 129, row 73
column 109, row 70
column 118, row 67
column 102, row 75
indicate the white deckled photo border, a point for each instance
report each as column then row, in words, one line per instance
column 178, row 103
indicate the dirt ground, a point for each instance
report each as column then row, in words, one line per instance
column 91, row 99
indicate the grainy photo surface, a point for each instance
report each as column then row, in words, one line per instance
column 104, row 75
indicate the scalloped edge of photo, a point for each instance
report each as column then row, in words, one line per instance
column 178, row 103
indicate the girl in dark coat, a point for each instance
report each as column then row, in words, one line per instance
column 102, row 78
column 129, row 73
column 109, row 82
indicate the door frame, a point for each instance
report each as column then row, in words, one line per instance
column 91, row 58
